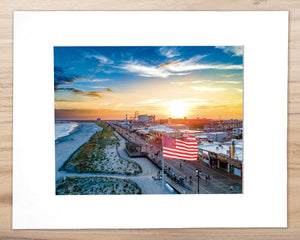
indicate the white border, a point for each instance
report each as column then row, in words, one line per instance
column 265, row 39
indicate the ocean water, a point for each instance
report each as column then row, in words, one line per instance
column 64, row 128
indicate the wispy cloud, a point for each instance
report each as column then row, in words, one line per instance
column 148, row 71
column 187, row 66
column 93, row 94
column 61, row 77
column 97, row 87
column 198, row 81
column 176, row 68
column 72, row 90
column 169, row 52
column 168, row 64
column 233, row 50
column 239, row 90
column 193, row 64
column 68, row 100
column 228, row 82
column 207, row 89
column 215, row 81
column 102, row 60
column 100, row 80
column 97, row 94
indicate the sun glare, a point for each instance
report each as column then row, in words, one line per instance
column 178, row 109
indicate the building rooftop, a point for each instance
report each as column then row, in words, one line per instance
column 224, row 149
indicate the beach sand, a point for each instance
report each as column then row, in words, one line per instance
column 65, row 146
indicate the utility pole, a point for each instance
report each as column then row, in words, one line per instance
column 162, row 166
column 198, row 171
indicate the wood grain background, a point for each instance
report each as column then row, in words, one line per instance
column 6, row 95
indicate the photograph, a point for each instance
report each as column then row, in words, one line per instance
column 148, row 119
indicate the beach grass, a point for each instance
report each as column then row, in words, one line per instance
column 99, row 155
column 95, row 186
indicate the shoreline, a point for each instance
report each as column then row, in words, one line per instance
column 67, row 145
column 65, row 138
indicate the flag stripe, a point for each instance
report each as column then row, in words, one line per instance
column 181, row 157
column 168, row 151
column 178, row 149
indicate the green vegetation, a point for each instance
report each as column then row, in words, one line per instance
column 99, row 155
column 95, row 186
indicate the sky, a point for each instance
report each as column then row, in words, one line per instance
column 165, row 81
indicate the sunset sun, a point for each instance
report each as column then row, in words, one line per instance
column 178, row 109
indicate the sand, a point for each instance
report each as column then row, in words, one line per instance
column 65, row 146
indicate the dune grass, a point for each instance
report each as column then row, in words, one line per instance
column 95, row 186
column 99, row 155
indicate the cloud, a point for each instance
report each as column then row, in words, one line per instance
column 169, row 52
column 102, row 60
column 232, row 50
column 88, row 94
column 232, row 75
column 208, row 89
column 239, row 90
column 93, row 94
column 100, row 80
column 61, row 77
column 167, row 64
column 148, row 71
column 73, row 90
column 228, row 82
column 67, row 100
column 193, row 64
column 96, row 87
column 198, row 81
column 174, row 69
column 98, row 94
column 189, row 66
column 216, row 81
column 109, row 90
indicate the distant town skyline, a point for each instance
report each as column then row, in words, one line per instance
column 168, row 82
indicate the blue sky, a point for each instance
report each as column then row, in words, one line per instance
column 96, row 79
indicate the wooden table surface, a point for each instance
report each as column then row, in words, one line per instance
column 6, row 85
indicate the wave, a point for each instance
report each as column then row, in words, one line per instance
column 63, row 129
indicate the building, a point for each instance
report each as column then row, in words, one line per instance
column 217, row 136
column 237, row 132
column 146, row 118
column 189, row 122
column 228, row 156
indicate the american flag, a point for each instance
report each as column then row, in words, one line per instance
column 177, row 149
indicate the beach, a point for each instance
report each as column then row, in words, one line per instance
column 65, row 146
column 143, row 180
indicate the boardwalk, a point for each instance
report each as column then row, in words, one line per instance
column 220, row 182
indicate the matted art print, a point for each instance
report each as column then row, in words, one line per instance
column 150, row 119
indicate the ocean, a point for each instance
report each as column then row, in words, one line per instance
column 63, row 129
